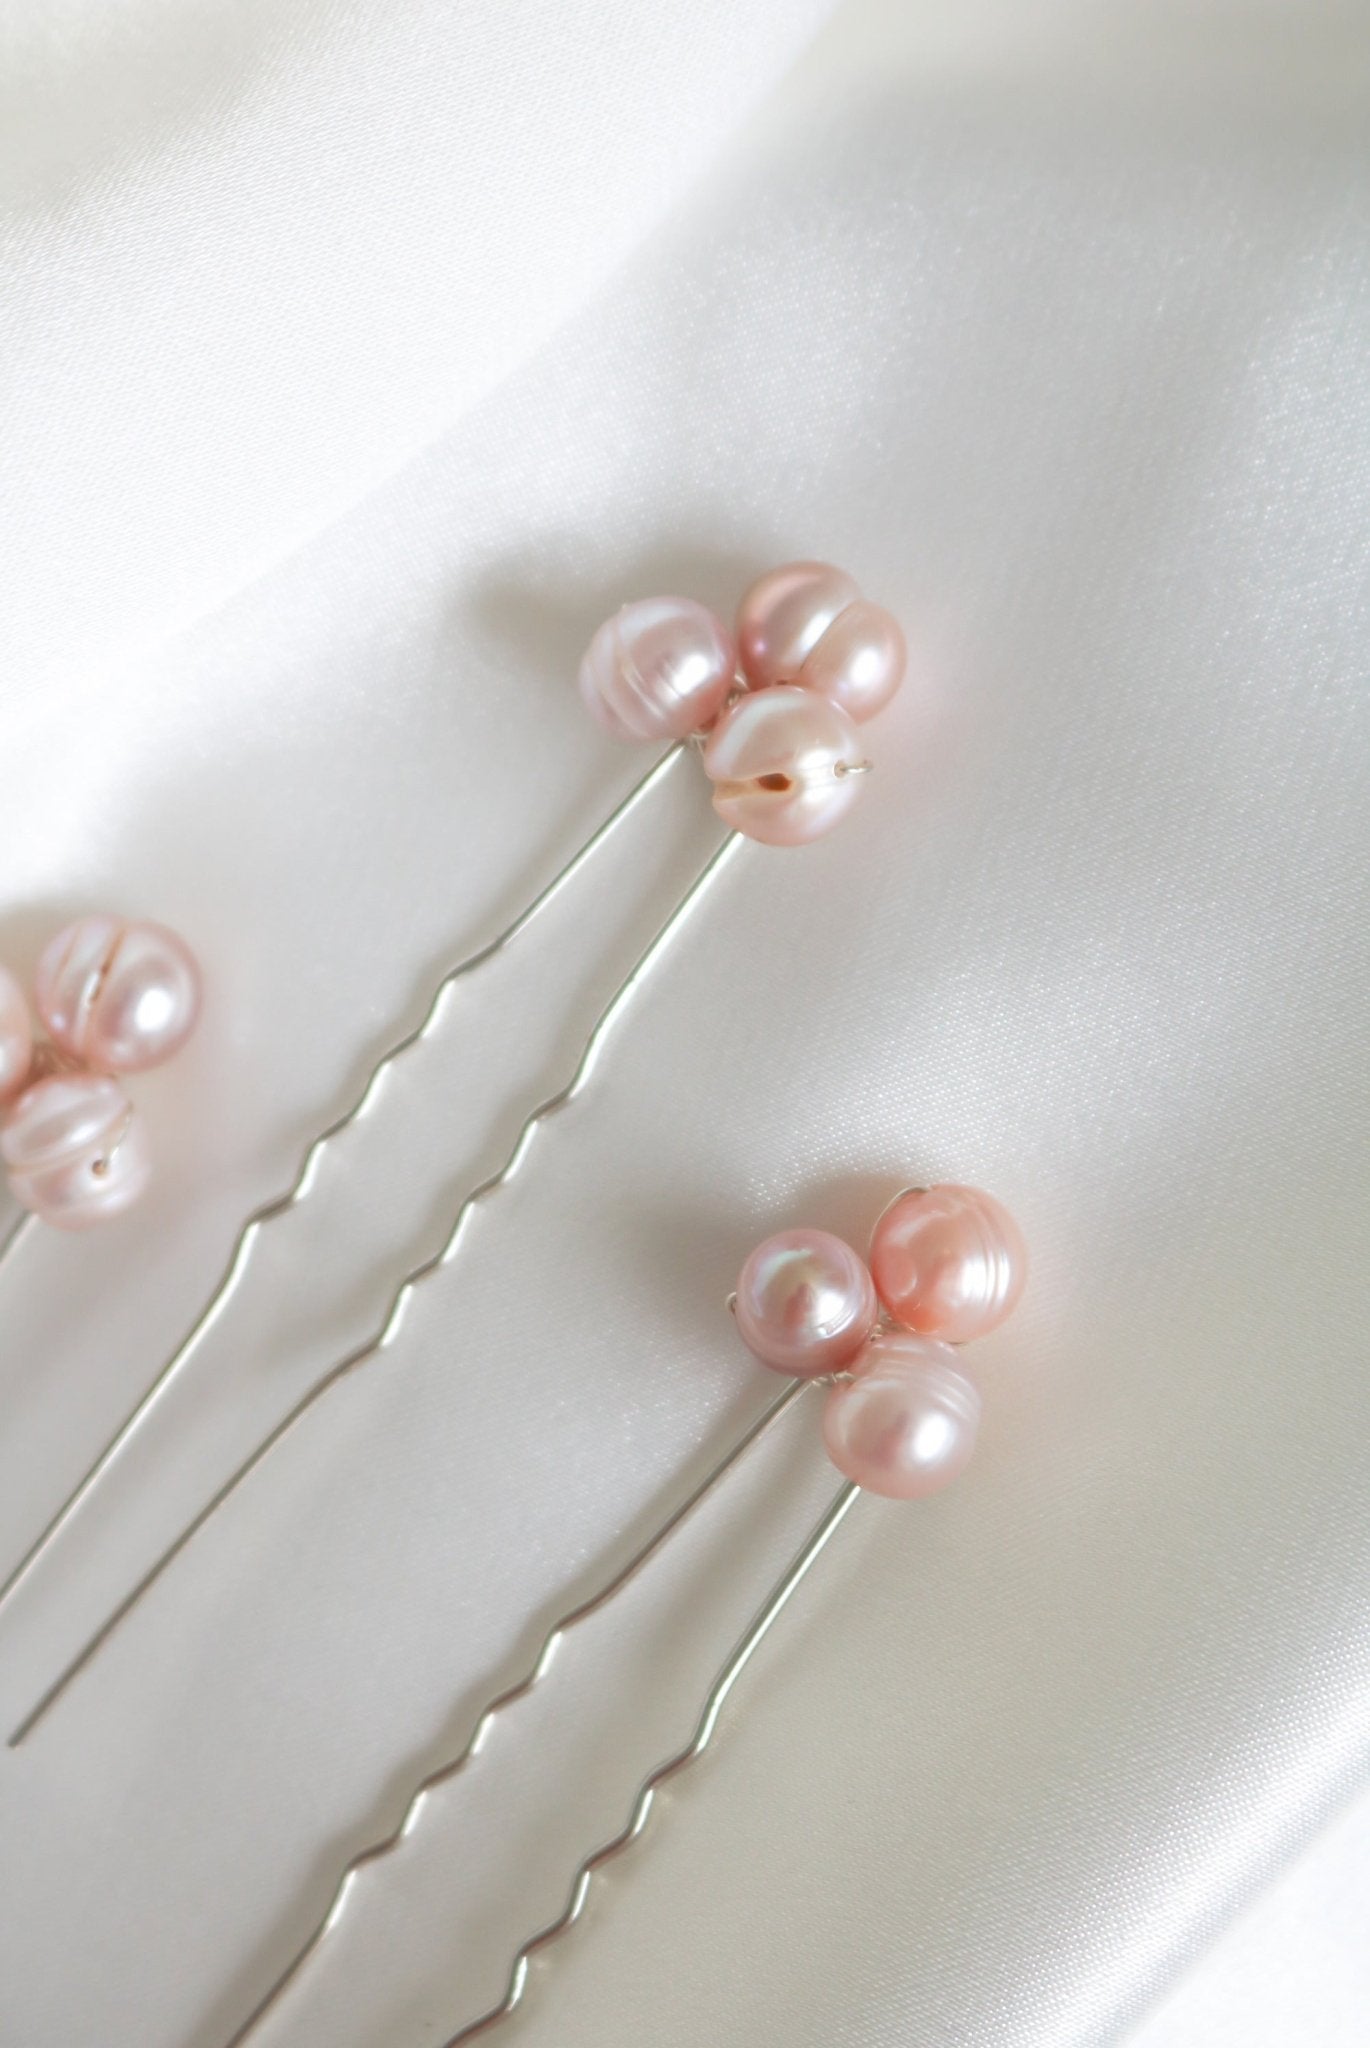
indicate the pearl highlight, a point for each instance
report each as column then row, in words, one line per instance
column 660, row 668
column 119, row 997
column 948, row 1261
column 785, row 766
column 805, row 1303
column 807, row 623
column 785, row 614
column 75, row 1149
column 905, row 1424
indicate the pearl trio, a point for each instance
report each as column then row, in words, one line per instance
column 776, row 704
column 947, row 1264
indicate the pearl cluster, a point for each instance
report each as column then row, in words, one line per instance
column 779, row 699
column 115, row 997
column 946, row 1264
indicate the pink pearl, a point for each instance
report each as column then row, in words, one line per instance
column 781, row 763
column 16, row 1037
column 658, row 669
column 119, row 997
column 809, row 624
column 805, row 1303
column 905, row 1424
column 75, row 1150
column 784, row 615
column 859, row 662
column 949, row 1261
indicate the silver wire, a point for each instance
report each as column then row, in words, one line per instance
column 645, row 1798
column 15, row 1235
column 443, row 1774
column 270, row 1212
column 399, row 1303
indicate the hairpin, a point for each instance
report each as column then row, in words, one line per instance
column 901, row 1412
column 116, row 998
column 774, row 717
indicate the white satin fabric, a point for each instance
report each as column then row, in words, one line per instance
column 358, row 361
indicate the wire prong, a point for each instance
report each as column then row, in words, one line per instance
column 494, row 1708
column 16, row 1234
column 724, row 1681
column 269, row 1212
column 393, row 1320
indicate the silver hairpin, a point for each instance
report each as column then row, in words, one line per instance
column 714, row 1701
column 443, row 1774
column 24, row 1225
column 901, row 1416
column 269, row 1212
column 393, row 1320
column 778, row 708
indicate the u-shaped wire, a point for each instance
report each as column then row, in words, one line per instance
column 269, row 1212
column 393, row 1320
column 443, row 1774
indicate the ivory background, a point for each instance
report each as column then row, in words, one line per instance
column 357, row 361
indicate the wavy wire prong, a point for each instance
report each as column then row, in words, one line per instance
column 393, row 1319
column 298, row 1191
column 443, row 1774
column 724, row 1681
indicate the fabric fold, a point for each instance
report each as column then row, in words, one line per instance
column 251, row 259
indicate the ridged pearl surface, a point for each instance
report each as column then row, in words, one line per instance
column 905, row 1424
column 809, row 624
column 805, row 1303
column 949, row 1261
column 75, row 1150
column 16, row 1037
column 118, row 996
column 780, row 764
column 658, row 669
column 859, row 662
column 784, row 615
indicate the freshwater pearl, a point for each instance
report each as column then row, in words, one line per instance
column 784, row 615
column 905, row 1424
column 658, row 669
column 805, row 1303
column 809, row 624
column 117, row 996
column 859, row 662
column 779, row 762
column 75, row 1149
column 949, row 1261
column 16, row 1037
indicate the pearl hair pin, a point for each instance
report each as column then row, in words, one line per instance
column 901, row 1412
column 814, row 658
column 773, row 713
column 116, row 998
